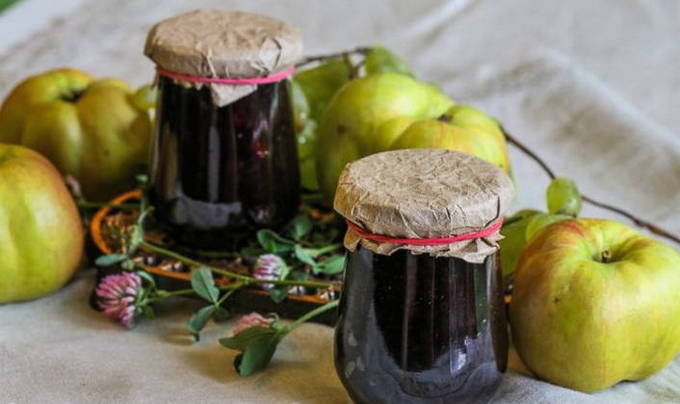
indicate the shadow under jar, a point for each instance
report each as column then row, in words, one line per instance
column 426, row 322
column 224, row 159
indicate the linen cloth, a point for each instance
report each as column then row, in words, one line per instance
column 591, row 86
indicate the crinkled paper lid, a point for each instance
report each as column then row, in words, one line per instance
column 224, row 44
column 423, row 193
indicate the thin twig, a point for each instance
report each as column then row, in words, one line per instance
column 336, row 55
column 528, row 152
column 353, row 72
column 649, row 226
column 639, row 222
column 244, row 279
column 328, row 306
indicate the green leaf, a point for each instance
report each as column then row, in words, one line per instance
column 277, row 324
column 137, row 237
column 221, row 314
column 284, row 270
column 251, row 252
column 298, row 276
column 300, row 226
column 141, row 179
column 381, row 60
column 303, row 256
column 331, row 266
column 110, row 259
column 148, row 312
column 147, row 277
column 317, row 252
column 241, row 340
column 258, row 354
column 128, row 265
column 273, row 243
column 204, row 285
column 279, row 294
column 199, row 319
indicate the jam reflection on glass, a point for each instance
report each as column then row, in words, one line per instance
column 220, row 173
column 414, row 328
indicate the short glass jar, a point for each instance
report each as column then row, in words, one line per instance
column 224, row 159
column 422, row 317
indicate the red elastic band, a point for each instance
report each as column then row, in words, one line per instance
column 273, row 78
column 485, row 232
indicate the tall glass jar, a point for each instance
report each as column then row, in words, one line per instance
column 421, row 313
column 224, row 160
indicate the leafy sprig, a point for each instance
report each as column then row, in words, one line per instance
column 304, row 247
column 258, row 344
column 203, row 284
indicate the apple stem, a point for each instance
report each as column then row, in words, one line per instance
column 445, row 118
column 606, row 256
column 72, row 96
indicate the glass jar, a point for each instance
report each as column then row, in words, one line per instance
column 421, row 315
column 224, row 159
column 416, row 327
column 219, row 173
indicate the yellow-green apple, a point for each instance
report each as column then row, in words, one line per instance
column 387, row 111
column 41, row 236
column 461, row 128
column 98, row 131
column 563, row 200
column 594, row 303
column 380, row 60
column 563, row 197
column 312, row 90
column 514, row 240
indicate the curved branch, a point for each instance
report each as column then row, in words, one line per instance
column 647, row 225
column 362, row 50
column 511, row 139
column 639, row 222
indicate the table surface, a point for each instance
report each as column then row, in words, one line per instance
column 592, row 86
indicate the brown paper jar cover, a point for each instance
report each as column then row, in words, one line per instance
column 224, row 44
column 423, row 193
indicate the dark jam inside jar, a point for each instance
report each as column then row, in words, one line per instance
column 220, row 173
column 414, row 328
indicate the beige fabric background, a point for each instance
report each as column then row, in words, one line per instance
column 590, row 85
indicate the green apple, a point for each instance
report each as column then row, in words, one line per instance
column 319, row 84
column 98, row 131
column 594, row 303
column 461, row 128
column 514, row 240
column 312, row 90
column 563, row 197
column 380, row 60
column 387, row 111
column 41, row 236
column 539, row 221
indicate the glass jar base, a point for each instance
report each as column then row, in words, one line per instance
column 414, row 328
